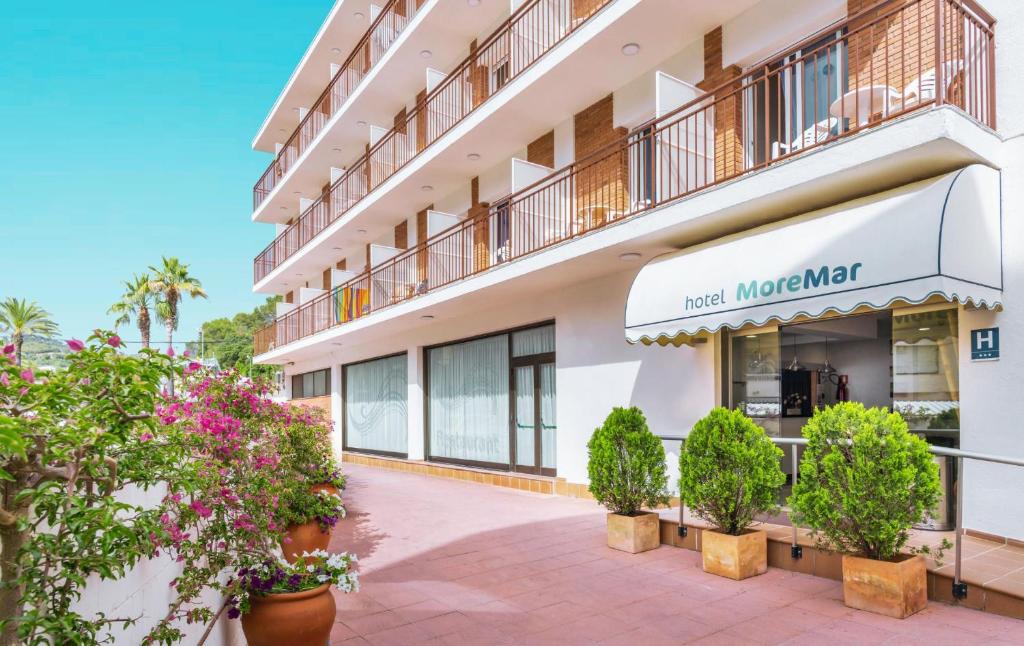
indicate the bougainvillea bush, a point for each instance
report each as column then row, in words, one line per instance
column 72, row 443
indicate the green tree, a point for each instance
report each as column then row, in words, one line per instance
column 229, row 341
column 864, row 480
column 172, row 281
column 626, row 464
column 135, row 302
column 729, row 471
column 19, row 318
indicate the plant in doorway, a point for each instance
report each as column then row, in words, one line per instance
column 729, row 474
column 626, row 466
column 864, row 482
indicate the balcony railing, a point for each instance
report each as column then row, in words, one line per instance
column 886, row 62
column 529, row 33
column 383, row 31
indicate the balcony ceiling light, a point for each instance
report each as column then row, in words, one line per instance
column 336, row 50
column 630, row 49
column 361, row 232
column 360, row 123
column 473, row 3
column 358, row 15
column 296, row 192
column 336, row 248
column 426, row 53
column 427, row 317
column 283, row 208
column 473, row 156
column 426, row 188
column 630, row 256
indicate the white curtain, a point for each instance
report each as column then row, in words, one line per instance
column 469, row 400
column 376, row 412
column 525, row 427
column 536, row 340
column 548, row 424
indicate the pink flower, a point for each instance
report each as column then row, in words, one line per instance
column 201, row 509
column 192, row 367
column 114, row 341
column 187, row 353
column 170, row 351
column 23, row 391
column 84, row 381
column 76, row 345
column 28, row 375
column 145, row 437
column 4, row 380
column 9, row 348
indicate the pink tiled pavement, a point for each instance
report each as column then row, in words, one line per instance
column 451, row 562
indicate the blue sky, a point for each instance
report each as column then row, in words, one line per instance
column 126, row 129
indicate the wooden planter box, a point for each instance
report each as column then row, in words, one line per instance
column 735, row 557
column 634, row 534
column 894, row 588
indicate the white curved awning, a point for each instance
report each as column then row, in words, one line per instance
column 940, row 237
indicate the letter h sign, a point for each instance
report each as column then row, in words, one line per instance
column 985, row 344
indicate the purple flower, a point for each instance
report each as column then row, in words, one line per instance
column 170, row 351
column 76, row 345
column 114, row 341
column 234, row 613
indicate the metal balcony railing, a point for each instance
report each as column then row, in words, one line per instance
column 890, row 60
column 532, row 31
column 383, row 31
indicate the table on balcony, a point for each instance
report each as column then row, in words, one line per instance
column 864, row 102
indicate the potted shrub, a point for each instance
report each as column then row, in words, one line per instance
column 729, row 473
column 291, row 603
column 627, row 472
column 328, row 477
column 309, row 517
column 864, row 482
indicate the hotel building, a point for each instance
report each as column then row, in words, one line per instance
column 491, row 221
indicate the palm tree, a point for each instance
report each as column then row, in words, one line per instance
column 138, row 297
column 171, row 281
column 19, row 317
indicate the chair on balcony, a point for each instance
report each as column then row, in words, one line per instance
column 922, row 88
column 814, row 134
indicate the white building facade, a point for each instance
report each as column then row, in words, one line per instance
column 494, row 221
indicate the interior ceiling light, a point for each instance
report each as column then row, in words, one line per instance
column 923, row 329
column 630, row 49
column 426, row 53
column 631, row 255
column 473, row 156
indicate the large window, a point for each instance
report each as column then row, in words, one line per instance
column 491, row 401
column 925, row 371
column 311, row 384
column 375, row 417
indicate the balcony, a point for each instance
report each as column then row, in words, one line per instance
column 876, row 67
column 383, row 31
column 533, row 30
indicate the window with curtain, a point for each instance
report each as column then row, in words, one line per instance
column 376, row 405
column 469, row 400
column 311, row 384
column 538, row 340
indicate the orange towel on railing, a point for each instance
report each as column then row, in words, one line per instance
column 350, row 303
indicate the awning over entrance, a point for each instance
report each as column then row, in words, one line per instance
column 938, row 238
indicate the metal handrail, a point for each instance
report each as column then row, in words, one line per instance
column 959, row 587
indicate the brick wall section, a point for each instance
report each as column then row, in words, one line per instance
column 421, row 120
column 602, row 187
column 728, row 108
column 898, row 50
column 585, row 8
column 402, row 234
column 481, row 227
column 327, row 279
column 421, row 235
column 399, row 122
column 478, row 79
column 341, row 264
column 542, row 150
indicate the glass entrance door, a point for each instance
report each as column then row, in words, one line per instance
column 533, row 416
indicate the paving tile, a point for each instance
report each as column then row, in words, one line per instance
column 461, row 564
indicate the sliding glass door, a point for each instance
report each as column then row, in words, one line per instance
column 491, row 401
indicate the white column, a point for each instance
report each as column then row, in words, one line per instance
column 417, row 398
column 336, row 409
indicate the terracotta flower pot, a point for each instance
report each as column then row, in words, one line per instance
column 298, row 618
column 896, row 588
column 634, row 534
column 735, row 557
column 329, row 488
column 304, row 538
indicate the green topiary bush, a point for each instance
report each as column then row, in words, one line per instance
column 729, row 471
column 627, row 464
column 864, row 480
